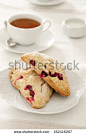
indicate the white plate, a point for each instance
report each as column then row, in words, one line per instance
column 56, row 104
column 45, row 41
column 47, row 3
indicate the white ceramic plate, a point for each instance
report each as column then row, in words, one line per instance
column 47, row 3
column 56, row 104
column 45, row 41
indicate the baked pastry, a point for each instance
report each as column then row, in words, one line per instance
column 49, row 70
column 33, row 88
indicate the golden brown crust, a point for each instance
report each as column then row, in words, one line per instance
column 63, row 90
column 42, row 90
column 60, row 86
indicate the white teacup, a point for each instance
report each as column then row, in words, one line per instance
column 29, row 35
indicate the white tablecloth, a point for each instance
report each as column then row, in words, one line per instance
column 64, row 50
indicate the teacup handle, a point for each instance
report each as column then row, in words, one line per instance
column 46, row 28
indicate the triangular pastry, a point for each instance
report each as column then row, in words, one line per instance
column 51, row 72
column 33, row 88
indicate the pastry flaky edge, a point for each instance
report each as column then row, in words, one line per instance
column 35, row 58
column 42, row 90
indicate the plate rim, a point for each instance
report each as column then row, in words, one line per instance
column 45, row 113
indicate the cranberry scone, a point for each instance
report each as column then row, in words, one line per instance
column 33, row 88
column 49, row 70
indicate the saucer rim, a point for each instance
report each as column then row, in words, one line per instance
column 19, row 52
column 47, row 3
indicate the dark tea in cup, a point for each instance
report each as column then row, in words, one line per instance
column 25, row 23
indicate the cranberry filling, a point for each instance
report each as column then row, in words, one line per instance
column 30, row 99
column 21, row 77
column 59, row 75
column 43, row 74
column 53, row 75
column 28, row 87
column 32, row 62
column 32, row 93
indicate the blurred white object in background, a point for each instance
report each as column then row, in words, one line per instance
column 74, row 27
column 44, row 0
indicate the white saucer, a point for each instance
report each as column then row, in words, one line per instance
column 47, row 3
column 45, row 41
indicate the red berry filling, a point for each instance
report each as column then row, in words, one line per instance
column 53, row 75
column 30, row 99
column 32, row 62
column 32, row 93
column 59, row 75
column 21, row 77
column 43, row 74
column 28, row 87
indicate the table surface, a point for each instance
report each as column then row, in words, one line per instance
column 64, row 50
